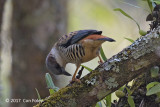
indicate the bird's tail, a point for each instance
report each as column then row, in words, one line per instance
column 104, row 38
column 99, row 37
column 107, row 39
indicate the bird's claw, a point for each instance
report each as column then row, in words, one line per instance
column 100, row 62
column 75, row 80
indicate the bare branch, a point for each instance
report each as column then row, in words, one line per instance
column 108, row 77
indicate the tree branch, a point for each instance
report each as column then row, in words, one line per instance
column 111, row 75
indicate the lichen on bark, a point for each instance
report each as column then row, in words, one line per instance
column 111, row 75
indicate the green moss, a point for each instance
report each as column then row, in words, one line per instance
column 65, row 94
column 94, row 73
column 68, row 93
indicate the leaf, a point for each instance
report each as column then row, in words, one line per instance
column 131, row 40
column 154, row 71
column 142, row 32
column 51, row 91
column 99, row 104
column 158, row 94
column 89, row 69
column 150, row 5
column 108, row 100
column 121, row 88
column 131, row 101
column 128, row 90
column 102, row 54
column 150, row 85
column 125, row 14
column 153, row 90
column 156, row 1
column 50, row 83
column 39, row 97
column 119, row 93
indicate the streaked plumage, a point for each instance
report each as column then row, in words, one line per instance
column 77, row 47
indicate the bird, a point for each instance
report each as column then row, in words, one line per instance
column 77, row 47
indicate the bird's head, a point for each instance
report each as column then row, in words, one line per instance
column 54, row 66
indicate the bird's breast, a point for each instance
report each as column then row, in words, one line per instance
column 92, row 48
column 90, row 53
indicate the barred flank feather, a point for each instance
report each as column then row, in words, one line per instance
column 74, row 52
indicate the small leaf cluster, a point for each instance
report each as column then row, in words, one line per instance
column 154, row 87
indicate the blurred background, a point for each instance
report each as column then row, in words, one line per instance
column 29, row 29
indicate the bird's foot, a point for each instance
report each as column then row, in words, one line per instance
column 100, row 62
column 80, row 73
column 75, row 80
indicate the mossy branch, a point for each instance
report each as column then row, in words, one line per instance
column 137, row 58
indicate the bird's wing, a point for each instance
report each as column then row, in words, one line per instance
column 74, row 37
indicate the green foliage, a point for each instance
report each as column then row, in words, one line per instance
column 152, row 84
column 121, row 88
column 99, row 104
column 154, row 71
column 150, row 5
column 120, row 93
column 102, row 54
column 154, row 90
column 141, row 32
column 39, row 97
column 131, row 40
column 87, row 68
column 51, row 91
column 50, row 84
column 156, row 1
column 108, row 100
column 130, row 99
column 129, row 91
column 127, row 15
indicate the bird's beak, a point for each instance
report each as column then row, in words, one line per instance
column 107, row 39
column 65, row 72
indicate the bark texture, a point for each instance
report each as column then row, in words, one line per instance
column 1, row 10
column 134, row 60
column 36, row 25
column 2, row 2
column 1, row 14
